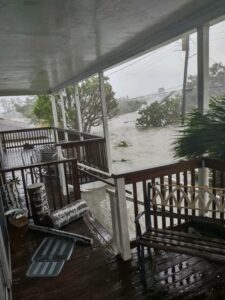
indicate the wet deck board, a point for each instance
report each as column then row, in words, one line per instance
column 94, row 273
column 89, row 273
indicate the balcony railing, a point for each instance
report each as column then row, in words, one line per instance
column 73, row 135
column 87, row 148
column 40, row 136
column 184, row 173
column 178, row 173
column 60, row 178
column 33, row 136
column 91, row 152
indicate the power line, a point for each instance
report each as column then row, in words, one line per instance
column 132, row 63
column 213, row 60
column 192, row 55
column 161, row 57
column 221, row 38
column 218, row 32
column 138, row 60
column 151, row 61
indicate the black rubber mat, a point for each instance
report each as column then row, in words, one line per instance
column 54, row 249
column 45, row 268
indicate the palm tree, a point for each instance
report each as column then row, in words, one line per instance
column 203, row 134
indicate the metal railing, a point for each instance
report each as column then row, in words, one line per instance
column 184, row 173
column 87, row 148
column 60, row 178
column 40, row 136
column 91, row 152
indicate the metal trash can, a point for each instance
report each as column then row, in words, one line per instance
column 38, row 202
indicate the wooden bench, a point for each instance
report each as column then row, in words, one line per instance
column 197, row 214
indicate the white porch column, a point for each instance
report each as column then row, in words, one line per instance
column 115, row 223
column 78, row 110
column 54, row 113
column 120, row 210
column 203, row 89
column 62, row 105
column 105, row 123
column 79, row 119
column 58, row 149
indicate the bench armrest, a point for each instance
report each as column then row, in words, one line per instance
column 137, row 222
column 137, row 219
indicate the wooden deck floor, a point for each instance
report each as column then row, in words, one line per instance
column 94, row 273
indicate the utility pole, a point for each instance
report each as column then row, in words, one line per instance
column 185, row 47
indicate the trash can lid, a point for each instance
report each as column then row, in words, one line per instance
column 36, row 185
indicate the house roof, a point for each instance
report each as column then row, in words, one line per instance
column 47, row 44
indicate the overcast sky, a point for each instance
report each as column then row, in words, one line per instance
column 164, row 67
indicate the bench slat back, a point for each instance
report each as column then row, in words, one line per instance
column 181, row 202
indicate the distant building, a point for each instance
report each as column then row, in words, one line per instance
column 161, row 90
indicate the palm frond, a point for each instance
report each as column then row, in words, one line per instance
column 203, row 134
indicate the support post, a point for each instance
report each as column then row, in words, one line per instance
column 62, row 105
column 114, row 217
column 105, row 123
column 121, row 211
column 58, row 149
column 81, row 154
column 203, row 90
column 78, row 110
column 54, row 113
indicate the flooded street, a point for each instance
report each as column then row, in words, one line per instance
column 145, row 149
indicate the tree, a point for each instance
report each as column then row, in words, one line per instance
column 42, row 110
column 129, row 105
column 216, row 85
column 26, row 108
column 160, row 114
column 203, row 134
column 90, row 103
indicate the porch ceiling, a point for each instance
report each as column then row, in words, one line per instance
column 45, row 44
